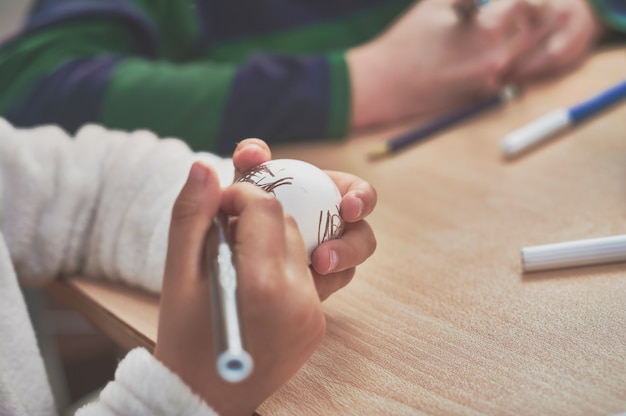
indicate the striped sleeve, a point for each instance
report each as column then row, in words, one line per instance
column 286, row 98
column 211, row 106
column 612, row 13
column 144, row 64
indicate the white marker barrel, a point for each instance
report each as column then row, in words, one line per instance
column 536, row 132
column 574, row 253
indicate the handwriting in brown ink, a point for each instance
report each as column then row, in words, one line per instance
column 258, row 176
column 330, row 226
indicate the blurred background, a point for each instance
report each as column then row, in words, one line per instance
column 79, row 359
column 12, row 14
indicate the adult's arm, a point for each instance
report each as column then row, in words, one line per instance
column 118, row 64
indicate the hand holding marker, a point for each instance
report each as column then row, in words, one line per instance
column 234, row 363
column 306, row 193
column 557, row 121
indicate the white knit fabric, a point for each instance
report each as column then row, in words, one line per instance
column 99, row 206
column 144, row 386
column 24, row 388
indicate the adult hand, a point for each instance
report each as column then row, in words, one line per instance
column 566, row 31
column 280, row 307
column 430, row 59
column 334, row 262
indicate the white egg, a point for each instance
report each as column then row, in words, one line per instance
column 306, row 193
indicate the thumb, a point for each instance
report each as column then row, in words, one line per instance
column 192, row 216
column 248, row 154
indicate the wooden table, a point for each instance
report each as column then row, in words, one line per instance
column 441, row 320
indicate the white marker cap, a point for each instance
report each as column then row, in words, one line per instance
column 234, row 365
column 574, row 253
column 535, row 132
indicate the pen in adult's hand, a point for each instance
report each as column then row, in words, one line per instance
column 440, row 124
column 234, row 363
column 466, row 9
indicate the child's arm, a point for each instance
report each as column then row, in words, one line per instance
column 100, row 205
column 96, row 205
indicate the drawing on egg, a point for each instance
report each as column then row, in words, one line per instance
column 306, row 193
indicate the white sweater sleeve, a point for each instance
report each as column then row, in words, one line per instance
column 144, row 386
column 98, row 205
column 24, row 389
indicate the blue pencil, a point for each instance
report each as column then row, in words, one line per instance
column 447, row 121
column 549, row 125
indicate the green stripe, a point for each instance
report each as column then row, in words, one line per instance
column 610, row 18
column 27, row 59
column 341, row 33
column 340, row 101
column 171, row 100
column 331, row 38
column 177, row 24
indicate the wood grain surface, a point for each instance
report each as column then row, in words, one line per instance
column 441, row 320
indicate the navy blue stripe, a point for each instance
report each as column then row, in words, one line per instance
column 616, row 6
column 69, row 97
column 46, row 13
column 233, row 19
column 277, row 98
column 204, row 39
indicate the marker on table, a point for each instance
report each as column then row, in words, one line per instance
column 398, row 143
column 549, row 125
column 574, row 253
column 234, row 363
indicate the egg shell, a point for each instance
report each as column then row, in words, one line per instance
column 306, row 193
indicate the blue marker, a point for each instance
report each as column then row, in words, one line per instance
column 549, row 125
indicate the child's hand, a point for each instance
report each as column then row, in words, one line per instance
column 280, row 307
column 333, row 262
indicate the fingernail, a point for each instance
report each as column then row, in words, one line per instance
column 254, row 144
column 198, row 172
column 360, row 205
column 248, row 145
column 334, row 260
